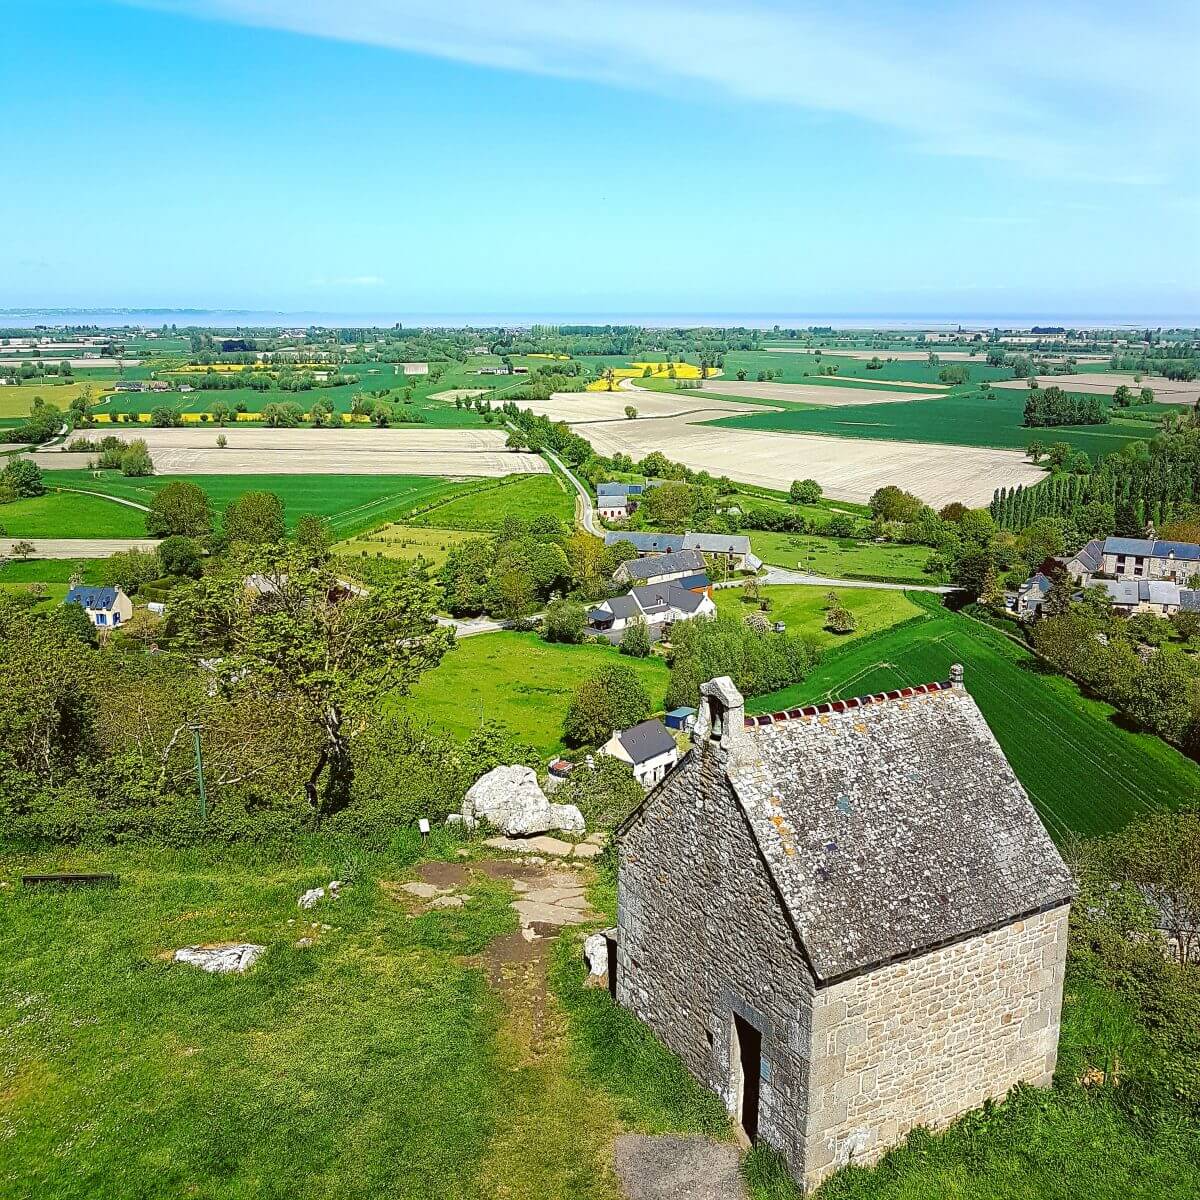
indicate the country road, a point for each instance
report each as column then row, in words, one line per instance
column 588, row 519
column 776, row 575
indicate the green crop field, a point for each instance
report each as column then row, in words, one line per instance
column 66, row 515
column 1084, row 770
column 806, row 368
column 524, row 496
column 967, row 419
column 351, row 502
column 16, row 399
column 844, row 558
column 520, row 681
column 17, row 573
column 802, row 609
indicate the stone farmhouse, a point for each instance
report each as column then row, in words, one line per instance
column 1147, row 558
column 646, row 544
column 846, row 919
column 731, row 549
column 656, row 604
column 685, row 568
column 106, row 607
column 648, row 748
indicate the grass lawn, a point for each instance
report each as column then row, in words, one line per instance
column 67, row 515
column 802, row 609
column 844, row 558
column 520, row 681
column 377, row 1062
column 48, row 570
column 963, row 417
column 351, row 502
column 1085, row 770
column 405, row 541
column 524, row 496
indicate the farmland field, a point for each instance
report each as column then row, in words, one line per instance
column 802, row 609
column 64, row 515
column 16, row 399
column 1084, row 770
column 47, row 570
column 970, row 419
column 403, row 542
column 844, row 558
column 524, row 496
column 520, row 681
column 351, row 502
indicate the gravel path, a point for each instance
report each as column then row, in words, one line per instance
column 671, row 1167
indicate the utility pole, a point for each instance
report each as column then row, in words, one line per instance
column 194, row 726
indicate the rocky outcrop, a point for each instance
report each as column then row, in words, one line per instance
column 224, row 959
column 510, row 800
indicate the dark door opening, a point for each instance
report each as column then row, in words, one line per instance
column 748, row 1045
column 611, row 946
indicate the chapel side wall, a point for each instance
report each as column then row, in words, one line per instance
column 700, row 936
column 923, row 1041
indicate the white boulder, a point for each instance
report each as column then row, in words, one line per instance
column 225, row 959
column 310, row 898
column 567, row 818
column 509, row 799
column 595, row 954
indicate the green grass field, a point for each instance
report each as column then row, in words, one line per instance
column 844, row 558
column 48, row 570
column 16, row 399
column 67, row 515
column 524, row 496
column 405, row 542
column 520, row 681
column 351, row 502
column 802, row 609
column 1086, row 772
column 968, row 418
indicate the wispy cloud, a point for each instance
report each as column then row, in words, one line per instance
column 1083, row 88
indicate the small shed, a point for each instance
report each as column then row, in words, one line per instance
column 680, row 718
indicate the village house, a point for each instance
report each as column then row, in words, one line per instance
column 732, row 549
column 684, row 567
column 1085, row 563
column 617, row 501
column 1147, row 558
column 656, row 604
column 648, row 748
column 106, row 607
column 646, row 544
column 846, row 919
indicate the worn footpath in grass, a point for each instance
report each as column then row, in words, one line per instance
column 844, row 558
column 803, row 609
column 1086, row 771
column 519, row 680
column 68, row 515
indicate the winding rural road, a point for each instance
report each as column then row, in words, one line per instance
column 588, row 518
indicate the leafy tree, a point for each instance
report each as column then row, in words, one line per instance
column 804, row 491
column 611, row 699
column 565, row 621
column 315, row 533
column 24, row 550
column 21, row 478
column 130, row 569
column 635, row 641
column 255, row 518
column 222, row 441
column 164, row 417
column 631, row 412
column 180, row 507
column 221, row 413
column 606, row 794
column 891, row 503
column 181, row 555
column 136, row 461
column 839, row 619
column 330, row 658
column 1035, row 449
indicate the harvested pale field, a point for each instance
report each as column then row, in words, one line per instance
column 846, row 468
column 74, row 362
column 77, row 547
column 576, row 407
column 1166, row 391
column 459, row 394
column 913, row 355
column 407, row 451
column 815, row 393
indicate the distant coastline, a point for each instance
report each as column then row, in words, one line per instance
column 255, row 318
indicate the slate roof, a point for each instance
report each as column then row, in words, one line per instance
column 692, row 582
column 1152, row 549
column 646, row 543
column 664, row 564
column 1038, row 582
column 618, row 490
column 1189, row 600
column 717, row 543
column 623, row 606
column 658, row 595
column 98, row 599
column 646, row 741
column 1149, row 591
column 891, row 824
column 1090, row 557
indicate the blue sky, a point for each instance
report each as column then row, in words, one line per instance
column 623, row 156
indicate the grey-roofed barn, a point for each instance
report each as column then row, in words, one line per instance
column 847, row 919
column 661, row 566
